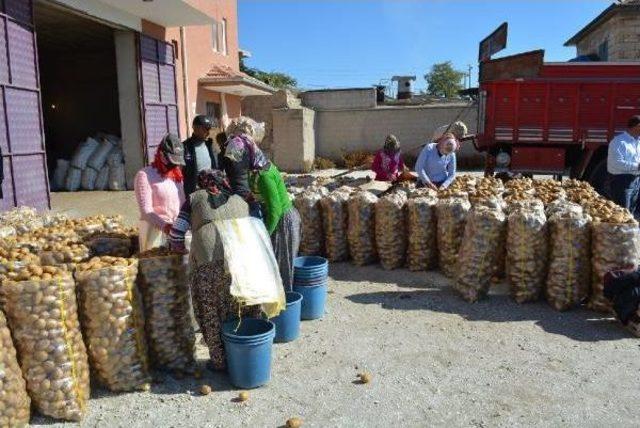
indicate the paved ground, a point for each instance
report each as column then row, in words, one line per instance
column 435, row 361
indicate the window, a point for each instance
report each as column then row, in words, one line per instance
column 214, row 111
column 223, row 36
column 214, row 36
column 603, row 51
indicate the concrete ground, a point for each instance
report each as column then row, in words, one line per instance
column 435, row 360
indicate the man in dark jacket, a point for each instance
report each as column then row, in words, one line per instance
column 199, row 153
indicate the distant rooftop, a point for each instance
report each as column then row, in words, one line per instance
column 622, row 5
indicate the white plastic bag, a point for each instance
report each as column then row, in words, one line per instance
column 255, row 277
column 60, row 174
column 83, row 153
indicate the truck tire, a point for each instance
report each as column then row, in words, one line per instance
column 598, row 177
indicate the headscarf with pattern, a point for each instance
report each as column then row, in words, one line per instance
column 215, row 182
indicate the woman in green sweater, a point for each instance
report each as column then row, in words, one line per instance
column 281, row 218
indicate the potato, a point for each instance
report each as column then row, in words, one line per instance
column 115, row 338
column 452, row 216
column 422, row 248
column 294, row 423
column 53, row 358
column 391, row 234
column 167, row 304
column 14, row 401
column 110, row 244
column 335, row 222
column 361, row 228
column 569, row 273
column 308, row 205
column 526, row 250
column 484, row 235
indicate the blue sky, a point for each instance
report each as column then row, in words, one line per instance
column 356, row 43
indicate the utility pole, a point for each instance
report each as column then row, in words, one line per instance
column 470, row 68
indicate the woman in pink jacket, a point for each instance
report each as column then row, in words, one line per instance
column 160, row 193
column 388, row 164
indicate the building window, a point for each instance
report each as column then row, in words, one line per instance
column 603, row 51
column 214, row 36
column 215, row 111
column 223, row 36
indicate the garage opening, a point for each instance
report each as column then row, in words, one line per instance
column 79, row 89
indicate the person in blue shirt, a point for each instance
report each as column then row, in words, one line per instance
column 436, row 165
column 623, row 166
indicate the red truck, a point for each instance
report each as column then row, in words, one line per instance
column 551, row 118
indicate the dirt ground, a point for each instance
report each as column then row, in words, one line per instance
column 435, row 361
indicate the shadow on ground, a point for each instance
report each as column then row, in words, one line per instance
column 579, row 324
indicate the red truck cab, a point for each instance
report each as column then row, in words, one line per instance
column 553, row 118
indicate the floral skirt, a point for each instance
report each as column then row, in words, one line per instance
column 213, row 305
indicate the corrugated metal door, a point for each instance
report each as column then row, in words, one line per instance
column 21, row 136
column 159, row 93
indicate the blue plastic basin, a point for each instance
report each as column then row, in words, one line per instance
column 248, row 351
column 314, row 299
column 288, row 322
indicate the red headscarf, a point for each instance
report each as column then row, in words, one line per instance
column 166, row 169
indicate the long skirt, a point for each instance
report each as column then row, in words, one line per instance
column 213, row 305
column 286, row 242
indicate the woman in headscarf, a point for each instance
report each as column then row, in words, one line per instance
column 281, row 218
column 159, row 193
column 388, row 164
column 436, row 165
column 240, row 155
column 210, row 281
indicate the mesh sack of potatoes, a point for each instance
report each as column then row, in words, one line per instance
column 614, row 245
column 40, row 305
column 54, row 219
column 526, row 248
column 478, row 256
column 422, row 247
column 14, row 260
column 549, row 191
column 63, row 254
column 452, row 216
column 391, row 234
column 112, row 322
column 335, row 223
column 15, row 405
column 494, row 201
column 569, row 272
column 167, row 307
column 308, row 205
column 361, row 228
column 112, row 244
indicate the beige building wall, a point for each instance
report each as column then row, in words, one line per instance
column 623, row 33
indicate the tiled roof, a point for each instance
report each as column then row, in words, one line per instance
column 224, row 73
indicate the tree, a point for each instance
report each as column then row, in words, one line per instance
column 275, row 79
column 443, row 80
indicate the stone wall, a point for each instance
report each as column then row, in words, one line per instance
column 260, row 108
column 623, row 32
column 339, row 99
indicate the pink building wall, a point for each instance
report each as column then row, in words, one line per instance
column 201, row 57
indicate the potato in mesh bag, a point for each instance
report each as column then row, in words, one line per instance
column 113, row 323
column 15, row 405
column 42, row 314
column 308, row 205
column 569, row 273
column 335, row 223
column 614, row 246
column 361, row 229
column 114, row 244
column 391, row 234
column 422, row 247
column 479, row 253
column 63, row 254
column 527, row 237
column 165, row 291
column 452, row 217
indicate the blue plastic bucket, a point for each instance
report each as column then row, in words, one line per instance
column 314, row 299
column 310, row 266
column 288, row 322
column 248, row 351
column 311, row 281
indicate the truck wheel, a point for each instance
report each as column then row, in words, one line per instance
column 598, row 177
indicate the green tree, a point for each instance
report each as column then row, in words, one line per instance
column 275, row 79
column 443, row 80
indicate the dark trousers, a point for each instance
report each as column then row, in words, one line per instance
column 624, row 190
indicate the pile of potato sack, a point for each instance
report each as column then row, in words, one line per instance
column 76, row 298
column 546, row 238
